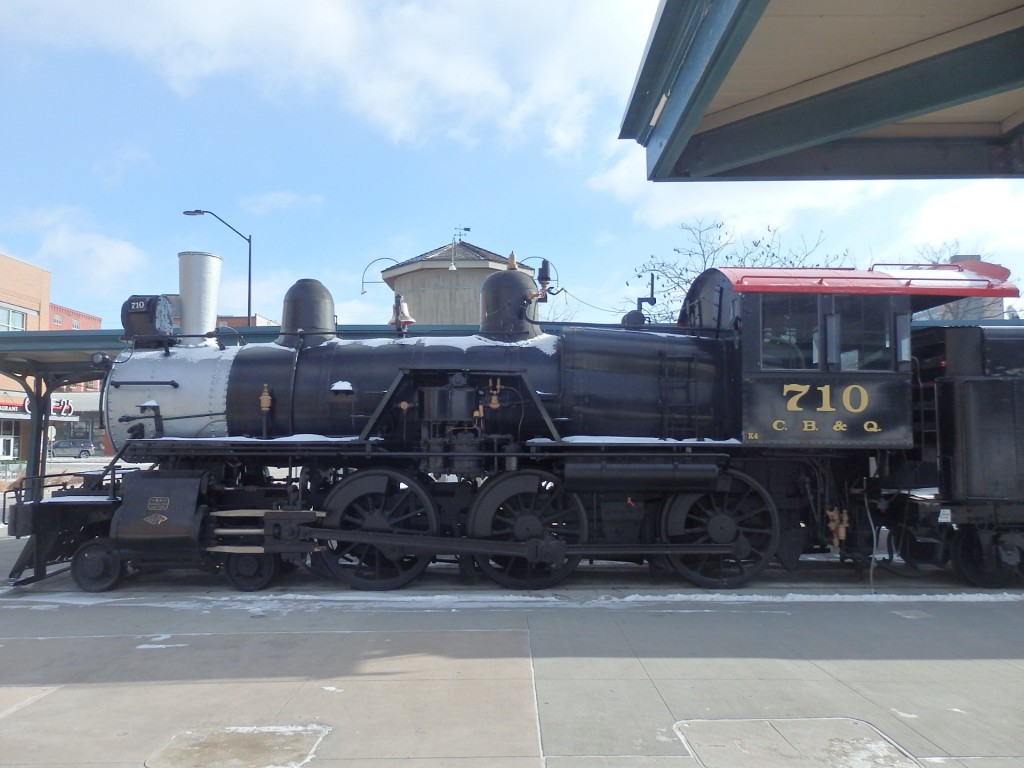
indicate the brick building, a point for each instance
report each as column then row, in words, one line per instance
column 67, row 319
column 25, row 306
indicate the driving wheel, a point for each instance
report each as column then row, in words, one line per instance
column 739, row 514
column 518, row 507
column 383, row 501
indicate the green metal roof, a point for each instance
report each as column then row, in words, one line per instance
column 829, row 89
column 59, row 354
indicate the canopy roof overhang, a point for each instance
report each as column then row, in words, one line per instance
column 831, row 89
column 67, row 357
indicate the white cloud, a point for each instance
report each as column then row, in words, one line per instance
column 454, row 68
column 876, row 221
column 91, row 271
column 978, row 214
column 281, row 200
column 88, row 266
column 746, row 207
column 362, row 312
column 114, row 167
column 83, row 255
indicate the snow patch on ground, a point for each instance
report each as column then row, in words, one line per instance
column 259, row 605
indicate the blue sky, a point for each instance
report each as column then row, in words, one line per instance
column 336, row 132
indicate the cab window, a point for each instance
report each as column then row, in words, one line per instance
column 789, row 331
column 864, row 336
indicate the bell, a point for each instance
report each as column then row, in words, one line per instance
column 400, row 314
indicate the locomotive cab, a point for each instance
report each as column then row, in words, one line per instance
column 826, row 361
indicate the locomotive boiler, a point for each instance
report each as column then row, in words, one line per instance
column 790, row 411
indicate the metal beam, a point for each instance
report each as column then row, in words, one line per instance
column 890, row 159
column 991, row 66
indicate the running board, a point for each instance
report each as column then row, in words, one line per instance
column 533, row 550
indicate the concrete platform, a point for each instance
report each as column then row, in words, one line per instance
column 613, row 668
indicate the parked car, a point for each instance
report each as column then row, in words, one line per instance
column 83, row 449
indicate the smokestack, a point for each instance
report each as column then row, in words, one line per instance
column 198, row 284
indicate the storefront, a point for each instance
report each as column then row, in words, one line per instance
column 72, row 415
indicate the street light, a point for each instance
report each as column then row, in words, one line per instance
column 363, row 281
column 248, row 239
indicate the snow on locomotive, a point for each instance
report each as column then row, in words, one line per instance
column 791, row 411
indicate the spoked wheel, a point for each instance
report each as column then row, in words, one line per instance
column 970, row 563
column 385, row 501
column 740, row 514
column 525, row 505
column 96, row 567
column 251, row 571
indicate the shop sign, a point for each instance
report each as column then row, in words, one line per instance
column 59, row 407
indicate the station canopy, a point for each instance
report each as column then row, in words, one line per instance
column 64, row 357
column 831, row 89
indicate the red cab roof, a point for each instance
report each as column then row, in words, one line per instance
column 965, row 278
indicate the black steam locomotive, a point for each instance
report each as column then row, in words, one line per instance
column 791, row 411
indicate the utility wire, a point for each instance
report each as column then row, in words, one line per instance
column 586, row 304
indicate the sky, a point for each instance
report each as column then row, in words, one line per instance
column 339, row 132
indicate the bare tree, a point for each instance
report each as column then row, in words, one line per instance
column 939, row 254
column 712, row 245
column 964, row 309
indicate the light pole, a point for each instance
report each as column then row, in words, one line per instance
column 248, row 239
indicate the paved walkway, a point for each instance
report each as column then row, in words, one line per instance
column 612, row 669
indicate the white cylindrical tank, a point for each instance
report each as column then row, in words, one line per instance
column 198, row 284
column 185, row 385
